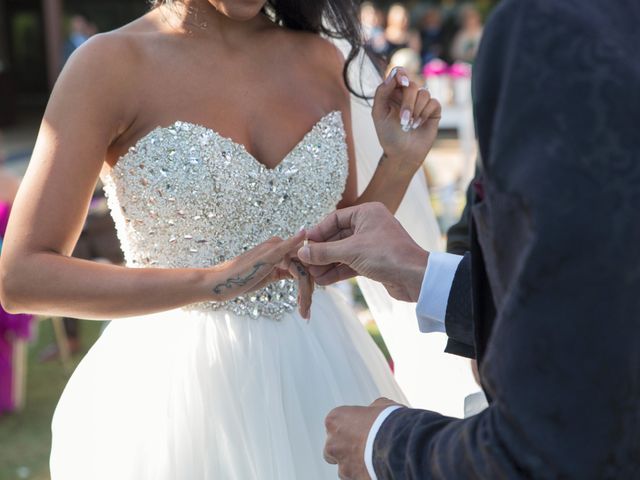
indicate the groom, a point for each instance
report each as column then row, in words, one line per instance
column 548, row 299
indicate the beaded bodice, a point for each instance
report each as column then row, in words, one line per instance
column 184, row 196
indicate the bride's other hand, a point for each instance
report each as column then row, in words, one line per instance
column 406, row 118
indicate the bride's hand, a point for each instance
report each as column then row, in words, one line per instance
column 255, row 269
column 406, row 120
column 262, row 265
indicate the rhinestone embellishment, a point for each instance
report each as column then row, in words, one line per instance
column 186, row 197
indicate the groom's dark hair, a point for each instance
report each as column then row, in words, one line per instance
column 332, row 18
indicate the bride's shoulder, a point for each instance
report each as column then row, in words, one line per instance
column 105, row 74
column 316, row 58
column 314, row 49
column 108, row 58
column 121, row 48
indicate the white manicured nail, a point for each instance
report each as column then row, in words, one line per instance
column 404, row 81
column 392, row 74
column 405, row 118
column 416, row 124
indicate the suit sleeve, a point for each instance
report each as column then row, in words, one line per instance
column 459, row 317
column 557, row 122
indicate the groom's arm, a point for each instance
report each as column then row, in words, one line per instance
column 566, row 389
column 459, row 314
column 445, row 301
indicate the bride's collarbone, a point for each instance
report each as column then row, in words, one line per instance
column 268, row 134
column 267, row 117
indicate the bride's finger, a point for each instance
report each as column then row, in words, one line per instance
column 285, row 263
column 422, row 100
column 278, row 251
column 407, row 113
column 398, row 77
column 305, row 288
column 276, row 275
column 432, row 111
column 396, row 80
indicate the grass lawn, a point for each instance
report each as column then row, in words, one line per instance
column 25, row 438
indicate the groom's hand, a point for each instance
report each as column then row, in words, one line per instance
column 347, row 432
column 366, row 240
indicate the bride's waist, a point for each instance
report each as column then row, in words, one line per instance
column 273, row 302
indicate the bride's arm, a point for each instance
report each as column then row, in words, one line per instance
column 89, row 108
column 404, row 151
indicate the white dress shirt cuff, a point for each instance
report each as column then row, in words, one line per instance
column 434, row 295
column 368, row 449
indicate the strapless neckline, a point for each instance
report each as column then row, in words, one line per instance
column 246, row 154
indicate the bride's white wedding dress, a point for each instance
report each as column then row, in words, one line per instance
column 229, row 391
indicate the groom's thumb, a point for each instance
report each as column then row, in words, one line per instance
column 324, row 253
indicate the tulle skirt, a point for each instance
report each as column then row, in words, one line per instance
column 211, row 395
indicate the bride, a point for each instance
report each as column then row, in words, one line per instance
column 220, row 126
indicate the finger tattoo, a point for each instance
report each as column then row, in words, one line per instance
column 301, row 270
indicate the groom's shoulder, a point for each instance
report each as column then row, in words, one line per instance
column 529, row 29
column 550, row 14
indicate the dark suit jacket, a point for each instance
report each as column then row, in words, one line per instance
column 459, row 317
column 554, row 261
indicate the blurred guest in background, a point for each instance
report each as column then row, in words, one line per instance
column 431, row 35
column 8, row 108
column 372, row 27
column 14, row 329
column 398, row 34
column 467, row 40
column 449, row 12
column 81, row 30
column 8, row 184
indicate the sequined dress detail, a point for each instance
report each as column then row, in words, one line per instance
column 184, row 196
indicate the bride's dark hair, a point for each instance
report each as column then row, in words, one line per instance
column 332, row 18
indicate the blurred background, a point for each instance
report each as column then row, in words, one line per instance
column 435, row 41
